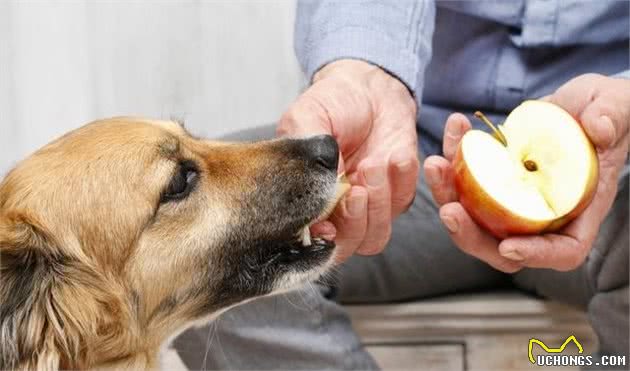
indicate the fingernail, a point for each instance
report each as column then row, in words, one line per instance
column 450, row 223
column 513, row 255
column 433, row 175
column 454, row 131
column 356, row 205
column 606, row 131
column 375, row 176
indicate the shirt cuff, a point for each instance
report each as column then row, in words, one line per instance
column 622, row 75
column 367, row 45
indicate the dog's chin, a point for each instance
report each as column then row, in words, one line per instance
column 322, row 252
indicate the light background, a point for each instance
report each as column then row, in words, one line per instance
column 220, row 65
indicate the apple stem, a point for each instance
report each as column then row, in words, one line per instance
column 497, row 133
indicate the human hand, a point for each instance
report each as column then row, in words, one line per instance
column 602, row 105
column 372, row 116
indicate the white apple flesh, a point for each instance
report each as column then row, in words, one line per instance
column 543, row 177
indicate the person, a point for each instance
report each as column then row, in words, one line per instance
column 384, row 74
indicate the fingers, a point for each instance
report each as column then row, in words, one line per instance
column 565, row 251
column 599, row 103
column 379, row 219
column 574, row 95
column 603, row 124
column 403, row 175
column 438, row 170
column 350, row 220
column 440, row 178
column 553, row 251
column 472, row 240
column 390, row 189
column 456, row 126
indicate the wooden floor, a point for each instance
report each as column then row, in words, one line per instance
column 474, row 332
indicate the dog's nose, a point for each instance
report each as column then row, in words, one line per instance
column 323, row 150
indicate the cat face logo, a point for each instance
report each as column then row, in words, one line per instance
column 552, row 350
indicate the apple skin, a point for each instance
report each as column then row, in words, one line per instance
column 498, row 220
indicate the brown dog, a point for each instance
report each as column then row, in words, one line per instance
column 121, row 234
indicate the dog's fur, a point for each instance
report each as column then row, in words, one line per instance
column 99, row 265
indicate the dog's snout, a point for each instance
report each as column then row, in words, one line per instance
column 323, row 150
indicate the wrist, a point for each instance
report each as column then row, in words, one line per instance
column 345, row 67
column 370, row 74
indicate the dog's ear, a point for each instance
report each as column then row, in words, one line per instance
column 28, row 263
column 37, row 329
column 56, row 309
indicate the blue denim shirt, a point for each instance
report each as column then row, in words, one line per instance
column 484, row 55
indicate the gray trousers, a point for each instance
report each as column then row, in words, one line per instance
column 308, row 329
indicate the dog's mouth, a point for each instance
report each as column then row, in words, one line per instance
column 342, row 186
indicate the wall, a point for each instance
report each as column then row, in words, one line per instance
column 221, row 65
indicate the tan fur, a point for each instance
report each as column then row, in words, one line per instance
column 103, row 250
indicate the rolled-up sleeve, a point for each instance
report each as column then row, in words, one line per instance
column 394, row 35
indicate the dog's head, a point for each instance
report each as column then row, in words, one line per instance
column 126, row 230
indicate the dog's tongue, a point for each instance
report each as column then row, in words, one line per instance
column 324, row 229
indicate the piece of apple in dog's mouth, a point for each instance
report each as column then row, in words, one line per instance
column 341, row 188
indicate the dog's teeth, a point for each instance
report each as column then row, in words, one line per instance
column 306, row 236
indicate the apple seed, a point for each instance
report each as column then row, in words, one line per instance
column 530, row 165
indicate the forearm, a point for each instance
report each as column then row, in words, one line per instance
column 395, row 36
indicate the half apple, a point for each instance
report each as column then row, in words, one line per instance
column 536, row 173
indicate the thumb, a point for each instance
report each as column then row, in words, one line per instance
column 334, row 107
column 305, row 117
column 599, row 127
column 575, row 95
column 600, row 114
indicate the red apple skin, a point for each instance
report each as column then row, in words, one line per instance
column 484, row 210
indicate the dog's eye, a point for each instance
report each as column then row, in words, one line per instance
column 183, row 182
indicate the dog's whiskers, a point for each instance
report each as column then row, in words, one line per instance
column 286, row 296
column 211, row 331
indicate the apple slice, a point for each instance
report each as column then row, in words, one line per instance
column 341, row 188
column 537, row 172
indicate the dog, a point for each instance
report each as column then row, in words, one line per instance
column 119, row 235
